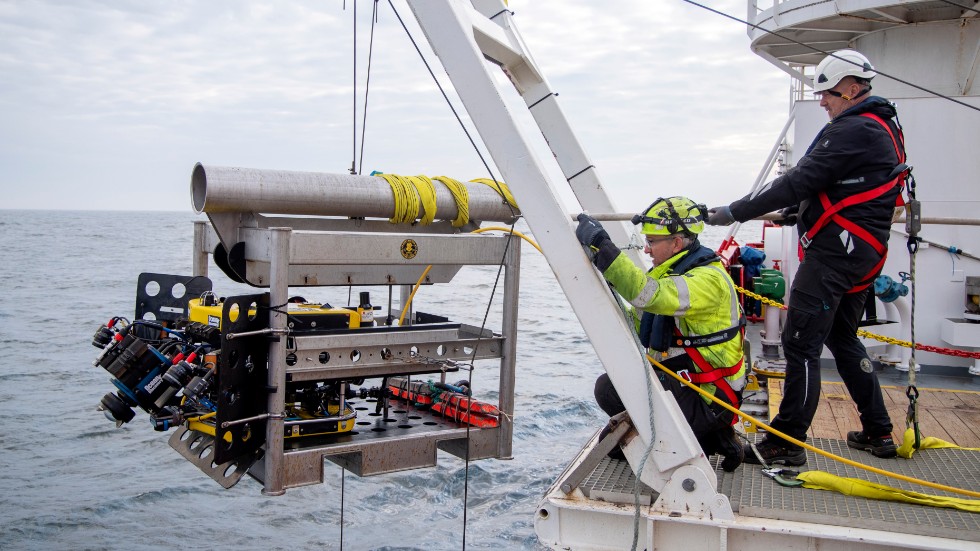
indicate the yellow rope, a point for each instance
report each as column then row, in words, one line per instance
column 427, row 194
column 788, row 438
column 510, row 231
column 408, row 302
column 462, row 197
column 406, row 199
column 500, row 188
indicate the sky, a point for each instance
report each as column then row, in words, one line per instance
column 108, row 104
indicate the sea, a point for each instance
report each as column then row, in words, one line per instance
column 73, row 480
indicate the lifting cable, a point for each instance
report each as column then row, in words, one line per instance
column 912, row 226
column 824, row 52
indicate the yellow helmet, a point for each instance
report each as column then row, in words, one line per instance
column 672, row 215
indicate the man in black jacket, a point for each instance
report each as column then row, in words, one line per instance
column 841, row 195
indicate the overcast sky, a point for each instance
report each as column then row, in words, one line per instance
column 108, row 104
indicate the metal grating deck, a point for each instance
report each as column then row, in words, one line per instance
column 613, row 481
column 752, row 494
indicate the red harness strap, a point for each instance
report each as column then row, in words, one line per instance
column 712, row 375
column 831, row 210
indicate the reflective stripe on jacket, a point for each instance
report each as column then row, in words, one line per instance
column 702, row 301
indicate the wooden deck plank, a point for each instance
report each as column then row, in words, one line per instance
column 971, row 399
column 949, row 415
column 953, row 425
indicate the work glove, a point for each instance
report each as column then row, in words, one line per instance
column 596, row 242
column 590, row 232
column 720, row 216
column 790, row 216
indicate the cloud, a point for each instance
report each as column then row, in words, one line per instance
column 108, row 105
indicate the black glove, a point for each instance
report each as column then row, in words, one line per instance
column 590, row 232
column 720, row 216
column 789, row 215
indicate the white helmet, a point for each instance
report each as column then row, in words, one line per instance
column 844, row 63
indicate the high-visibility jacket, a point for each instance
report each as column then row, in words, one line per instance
column 702, row 301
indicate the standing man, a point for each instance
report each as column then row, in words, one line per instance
column 841, row 195
column 691, row 317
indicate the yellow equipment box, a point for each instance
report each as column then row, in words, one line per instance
column 300, row 316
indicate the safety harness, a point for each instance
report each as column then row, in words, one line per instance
column 660, row 332
column 831, row 210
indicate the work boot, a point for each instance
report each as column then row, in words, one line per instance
column 729, row 447
column 882, row 446
column 773, row 453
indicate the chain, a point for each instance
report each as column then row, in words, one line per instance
column 760, row 298
column 869, row 335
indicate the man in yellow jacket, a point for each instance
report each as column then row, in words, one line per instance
column 690, row 320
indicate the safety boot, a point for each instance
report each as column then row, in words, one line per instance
column 775, row 453
column 882, row 446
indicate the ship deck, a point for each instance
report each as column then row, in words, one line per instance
column 951, row 414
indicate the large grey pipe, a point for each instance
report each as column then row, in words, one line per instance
column 227, row 189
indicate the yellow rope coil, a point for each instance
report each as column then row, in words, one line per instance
column 406, row 199
column 427, row 194
column 462, row 197
column 500, row 188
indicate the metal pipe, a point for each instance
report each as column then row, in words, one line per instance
column 217, row 189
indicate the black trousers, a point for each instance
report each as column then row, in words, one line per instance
column 822, row 312
column 706, row 421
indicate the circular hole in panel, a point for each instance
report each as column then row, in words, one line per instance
column 231, row 395
column 414, row 416
column 378, row 429
column 206, row 451
column 178, row 290
column 405, row 426
column 353, row 433
column 214, row 465
column 229, row 445
column 371, row 400
column 399, row 411
column 413, row 351
column 361, row 408
column 468, row 350
column 324, row 357
column 246, row 432
column 290, row 359
column 386, row 354
column 195, row 442
column 430, row 423
column 391, row 420
column 363, row 423
column 187, row 434
column 253, row 310
column 149, row 316
column 233, row 359
column 374, row 414
column 355, row 355
column 441, row 350
column 231, row 469
column 233, row 312
column 152, row 288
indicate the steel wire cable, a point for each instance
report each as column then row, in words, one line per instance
column 815, row 49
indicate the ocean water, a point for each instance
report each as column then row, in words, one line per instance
column 72, row 480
